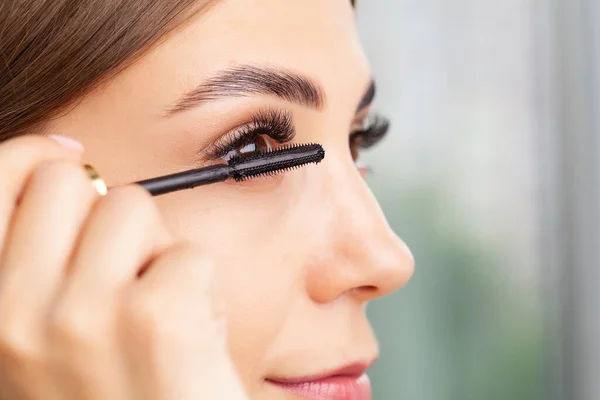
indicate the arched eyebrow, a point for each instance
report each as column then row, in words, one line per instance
column 248, row 80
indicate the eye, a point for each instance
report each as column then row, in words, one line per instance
column 267, row 129
column 259, row 143
column 371, row 132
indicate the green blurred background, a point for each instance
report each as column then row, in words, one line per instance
column 480, row 95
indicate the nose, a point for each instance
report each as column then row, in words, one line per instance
column 359, row 256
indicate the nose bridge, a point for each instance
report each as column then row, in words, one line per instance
column 366, row 258
column 357, row 211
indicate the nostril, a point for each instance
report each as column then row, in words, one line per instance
column 367, row 290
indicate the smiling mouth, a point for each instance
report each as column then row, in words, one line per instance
column 346, row 383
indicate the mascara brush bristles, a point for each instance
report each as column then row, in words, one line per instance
column 297, row 149
column 270, row 173
column 239, row 168
column 277, row 161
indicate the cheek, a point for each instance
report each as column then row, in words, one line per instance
column 258, row 262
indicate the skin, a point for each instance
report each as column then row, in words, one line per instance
column 297, row 256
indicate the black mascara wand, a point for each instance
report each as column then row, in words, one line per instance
column 239, row 168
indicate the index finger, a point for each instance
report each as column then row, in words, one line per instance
column 18, row 159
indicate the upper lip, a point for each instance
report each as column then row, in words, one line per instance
column 354, row 370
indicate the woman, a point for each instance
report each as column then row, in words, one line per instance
column 127, row 296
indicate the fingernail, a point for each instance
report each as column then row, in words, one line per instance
column 67, row 142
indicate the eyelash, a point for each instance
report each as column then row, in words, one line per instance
column 278, row 125
column 374, row 130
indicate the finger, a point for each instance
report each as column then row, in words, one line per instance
column 123, row 233
column 42, row 235
column 183, row 276
column 18, row 159
column 177, row 324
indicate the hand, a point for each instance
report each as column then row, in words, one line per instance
column 97, row 300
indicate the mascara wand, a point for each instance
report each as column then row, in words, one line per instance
column 239, row 168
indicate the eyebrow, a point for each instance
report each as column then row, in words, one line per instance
column 247, row 80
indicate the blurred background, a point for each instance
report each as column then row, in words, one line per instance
column 491, row 176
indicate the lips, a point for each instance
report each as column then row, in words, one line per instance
column 346, row 383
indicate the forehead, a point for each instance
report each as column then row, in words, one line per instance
column 290, row 30
column 314, row 37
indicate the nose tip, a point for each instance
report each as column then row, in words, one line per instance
column 390, row 265
column 365, row 266
column 397, row 265
column 358, row 253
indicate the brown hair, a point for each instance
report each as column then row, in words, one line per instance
column 54, row 51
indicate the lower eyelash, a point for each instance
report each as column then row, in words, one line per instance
column 274, row 123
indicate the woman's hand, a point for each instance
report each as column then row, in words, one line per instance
column 77, row 319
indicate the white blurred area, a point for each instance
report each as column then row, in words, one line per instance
column 456, row 78
column 491, row 174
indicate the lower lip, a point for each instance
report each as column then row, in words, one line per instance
column 334, row 388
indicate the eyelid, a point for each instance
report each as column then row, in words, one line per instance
column 234, row 138
column 277, row 124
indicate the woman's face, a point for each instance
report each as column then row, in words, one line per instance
column 298, row 254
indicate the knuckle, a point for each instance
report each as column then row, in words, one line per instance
column 146, row 314
column 22, row 151
column 16, row 348
column 26, row 146
column 74, row 326
column 192, row 251
column 21, row 154
column 62, row 175
column 188, row 268
column 156, row 321
column 202, row 265
column 16, row 342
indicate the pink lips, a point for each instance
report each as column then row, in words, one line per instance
column 348, row 383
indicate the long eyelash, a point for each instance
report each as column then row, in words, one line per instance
column 375, row 130
column 274, row 123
